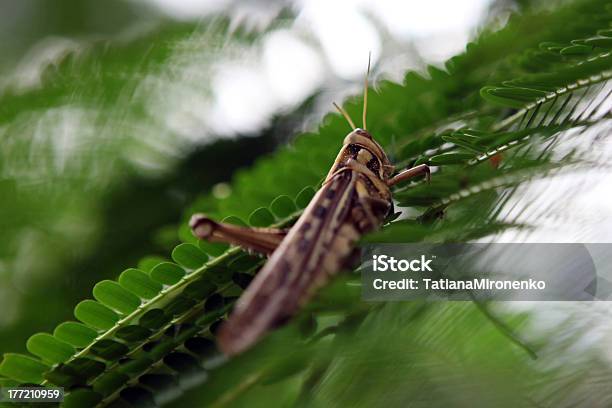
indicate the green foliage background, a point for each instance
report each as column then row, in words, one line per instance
column 527, row 91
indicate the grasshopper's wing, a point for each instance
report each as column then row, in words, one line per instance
column 317, row 246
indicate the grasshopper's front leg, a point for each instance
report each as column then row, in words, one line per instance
column 262, row 240
column 410, row 173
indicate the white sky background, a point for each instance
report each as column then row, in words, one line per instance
column 325, row 49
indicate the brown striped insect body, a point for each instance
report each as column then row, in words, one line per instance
column 354, row 199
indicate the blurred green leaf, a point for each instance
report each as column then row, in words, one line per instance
column 282, row 206
column 261, row 217
column 167, row 273
column 139, row 283
column 113, row 295
column 189, row 256
column 96, row 315
column 49, row 348
column 22, row 368
column 75, row 333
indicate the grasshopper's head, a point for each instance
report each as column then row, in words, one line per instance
column 362, row 146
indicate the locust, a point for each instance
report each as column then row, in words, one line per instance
column 354, row 199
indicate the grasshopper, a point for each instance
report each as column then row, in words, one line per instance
column 354, row 199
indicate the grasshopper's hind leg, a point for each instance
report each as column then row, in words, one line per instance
column 262, row 240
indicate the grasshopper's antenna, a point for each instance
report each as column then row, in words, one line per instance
column 365, row 92
column 346, row 115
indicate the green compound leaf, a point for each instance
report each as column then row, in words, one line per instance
column 78, row 371
column 113, row 295
column 261, row 217
column 149, row 262
column 212, row 248
column 201, row 346
column 182, row 362
column 600, row 42
column 242, row 279
column 512, row 97
column 303, row 198
column 468, row 142
column 62, row 376
column 282, row 206
column 167, row 273
column 450, row 158
column 22, row 368
column 75, row 333
column 214, row 303
column 95, row 315
column 86, row 367
column 49, row 348
column 133, row 333
column 199, row 289
column 154, row 319
column 189, row 256
column 109, row 349
column 138, row 396
column 605, row 33
column 158, row 381
column 139, row 283
column 7, row 382
column 178, row 305
column 576, row 50
column 109, row 382
column 244, row 262
column 135, row 366
column 231, row 219
column 218, row 275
